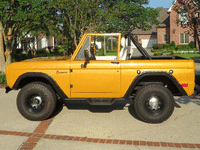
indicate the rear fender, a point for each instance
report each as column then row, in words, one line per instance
column 158, row 75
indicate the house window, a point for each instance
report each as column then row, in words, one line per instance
column 184, row 38
column 165, row 38
column 183, row 16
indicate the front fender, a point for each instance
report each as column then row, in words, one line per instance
column 37, row 76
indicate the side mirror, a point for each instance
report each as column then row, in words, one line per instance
column 87, row 59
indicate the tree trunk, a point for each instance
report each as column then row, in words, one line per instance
column 75, row 41
column 2, row 57
column 198, row 40
column 8, row 47
column 5, row 56
column 8, row 54
column 196, row 35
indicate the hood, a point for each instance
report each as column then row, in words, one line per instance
column 41, row 63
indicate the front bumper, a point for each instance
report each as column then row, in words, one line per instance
column 8, row 89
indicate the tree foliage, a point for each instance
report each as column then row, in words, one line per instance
column 192, row 8
column 18, row 18
column 80, row 16
column 127, row 15
column 68, row 20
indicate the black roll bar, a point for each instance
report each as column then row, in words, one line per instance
column 138, row 45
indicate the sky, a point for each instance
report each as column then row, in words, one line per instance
column 160, row 3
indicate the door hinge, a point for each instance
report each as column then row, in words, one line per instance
column 71, row 70
column 71, row 86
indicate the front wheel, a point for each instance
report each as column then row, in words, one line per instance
column 154, row 103
column 36, row 101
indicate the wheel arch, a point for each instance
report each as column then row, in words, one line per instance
column 29, row 77
column 156, row 78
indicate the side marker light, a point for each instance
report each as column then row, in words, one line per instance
column 184, row 85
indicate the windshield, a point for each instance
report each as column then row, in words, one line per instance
column 80, row 55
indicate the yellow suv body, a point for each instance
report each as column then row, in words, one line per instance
column 103, row 79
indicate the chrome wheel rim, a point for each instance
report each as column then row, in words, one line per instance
column 35, row 103
column 154, row 104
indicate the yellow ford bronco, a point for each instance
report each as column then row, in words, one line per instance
column 113, row 71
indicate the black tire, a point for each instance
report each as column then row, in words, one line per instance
column 36, row 101
column 154, row 103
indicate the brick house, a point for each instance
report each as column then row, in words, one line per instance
column 167, row 31
column 157, row 34
column 176, row 32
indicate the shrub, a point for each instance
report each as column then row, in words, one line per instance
column 172, row 44
column 158, row 52
column 56, row 49
column 166, row 46
column 160, row 46
column 183, row 47
column 2, row 78
column 61, row 49
column 41, row 51
column 155, row 46
column 19, row 57
column 171, row 48
column 191, row 45
column 19, row 50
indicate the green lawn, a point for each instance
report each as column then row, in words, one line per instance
column 189, row 56
column 107, row 54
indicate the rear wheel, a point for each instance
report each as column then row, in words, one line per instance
column 154, row 103
column 36, row 101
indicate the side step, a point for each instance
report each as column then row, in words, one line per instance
column 101, row 101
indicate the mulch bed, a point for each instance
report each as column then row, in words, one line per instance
column 3, row 85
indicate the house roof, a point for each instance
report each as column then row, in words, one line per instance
column 164, row 18
column 170, row 9
column 164, row 22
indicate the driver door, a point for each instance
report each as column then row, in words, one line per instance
column 98, row 79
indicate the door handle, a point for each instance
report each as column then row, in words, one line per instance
column 115, row 62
